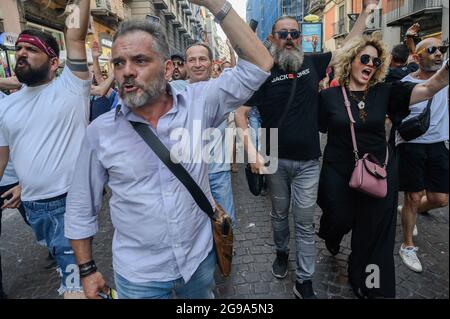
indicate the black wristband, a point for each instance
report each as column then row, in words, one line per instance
column 87, row 269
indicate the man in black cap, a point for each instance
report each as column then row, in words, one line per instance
column 179, row 71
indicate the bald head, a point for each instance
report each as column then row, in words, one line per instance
column 428, row 43
column 429, row 62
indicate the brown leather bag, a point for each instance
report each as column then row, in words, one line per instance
column 223, row 239
column 221, row 222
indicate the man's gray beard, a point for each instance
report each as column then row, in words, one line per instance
column 288, row 60
column 150, row 94
column 431, row 67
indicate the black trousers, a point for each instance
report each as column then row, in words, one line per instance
column 372, row 222
column 22, row 212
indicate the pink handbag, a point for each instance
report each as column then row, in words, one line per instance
column 368, row 177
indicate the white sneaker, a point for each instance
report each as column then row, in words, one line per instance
column 409, row 258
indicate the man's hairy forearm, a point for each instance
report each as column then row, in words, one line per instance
column 82, row 249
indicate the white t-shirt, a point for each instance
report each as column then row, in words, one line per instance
column 9, row 175
column 44, row 127
column 439, row 121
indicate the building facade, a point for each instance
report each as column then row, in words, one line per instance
column 392, row 18
column 183, row 22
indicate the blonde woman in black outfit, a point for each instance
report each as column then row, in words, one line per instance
column 361, row 71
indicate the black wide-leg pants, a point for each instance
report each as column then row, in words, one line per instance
column 372, row 222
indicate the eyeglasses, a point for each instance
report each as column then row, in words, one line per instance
column 284, row 34
column 365, row 59
column 431, row 50
column 178, row 64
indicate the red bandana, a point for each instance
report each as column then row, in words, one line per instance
column 37, row 43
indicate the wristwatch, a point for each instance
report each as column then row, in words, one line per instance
column 223, row 12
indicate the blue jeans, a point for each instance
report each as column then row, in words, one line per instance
column 200, row 286
column 47, row 221
column 254, row 122
column 220, row 184
column 298, row 180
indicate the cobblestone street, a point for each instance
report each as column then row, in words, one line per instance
column 26, row 275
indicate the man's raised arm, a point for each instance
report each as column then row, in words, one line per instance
column 243, row 39
column 77, row 25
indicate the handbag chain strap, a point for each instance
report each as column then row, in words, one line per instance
column 176, row 168
column 352, row 129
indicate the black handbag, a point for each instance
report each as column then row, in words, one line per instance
column 416, row 126
column 256, row 181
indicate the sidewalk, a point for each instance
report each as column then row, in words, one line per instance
column 25, row 275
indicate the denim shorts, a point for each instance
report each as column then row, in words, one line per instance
column 47, row 221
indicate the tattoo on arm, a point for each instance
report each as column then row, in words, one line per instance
column 77, row 65
column 240, row 53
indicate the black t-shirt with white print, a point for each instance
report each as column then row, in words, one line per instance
column 298, row 134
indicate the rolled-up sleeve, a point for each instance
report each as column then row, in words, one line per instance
column 85, row 195
column 232, row 89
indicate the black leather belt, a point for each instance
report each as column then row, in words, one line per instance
column 47, row 200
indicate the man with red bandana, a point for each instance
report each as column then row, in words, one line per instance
column 41, row 127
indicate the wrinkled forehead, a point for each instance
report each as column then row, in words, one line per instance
column 287, row 24
column 197, row 51
column 370, row 50
column 134, row 43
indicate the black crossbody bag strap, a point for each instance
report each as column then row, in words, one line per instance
column 176, row 168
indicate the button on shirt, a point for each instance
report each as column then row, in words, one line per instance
column 160, row 232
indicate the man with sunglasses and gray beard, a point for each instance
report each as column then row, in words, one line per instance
column 299, row 151
column 423, row 168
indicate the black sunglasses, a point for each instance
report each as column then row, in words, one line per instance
column 431, row 50
column 284, row 34
column 365, row 59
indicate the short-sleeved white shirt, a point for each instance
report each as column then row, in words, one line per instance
column 9, row 175
column 438, row 131
column 44, row 127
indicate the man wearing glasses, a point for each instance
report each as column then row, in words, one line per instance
column 298, row 75
column 423, row 161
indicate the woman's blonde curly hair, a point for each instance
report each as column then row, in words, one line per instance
column 343, row 66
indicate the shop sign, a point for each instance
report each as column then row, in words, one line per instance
column 8, row 39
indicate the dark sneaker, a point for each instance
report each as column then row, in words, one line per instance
column 304, row 290
column 280, row 265
column 332, row 248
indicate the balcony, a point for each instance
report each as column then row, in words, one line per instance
column 413, row 11
column 188, row 11
column 182, row 29
column 169, row 15
column 183, row 4
column 103, row 9
column 176, row 23
column 160, row 4
column 316, row 6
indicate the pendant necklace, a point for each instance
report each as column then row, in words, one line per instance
column 361, row 105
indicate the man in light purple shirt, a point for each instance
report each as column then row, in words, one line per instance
column 163, row 240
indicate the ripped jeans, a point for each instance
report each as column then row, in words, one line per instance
column 297, row 180
column 47, row 221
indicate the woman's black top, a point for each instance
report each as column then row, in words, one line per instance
column 391, row 99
